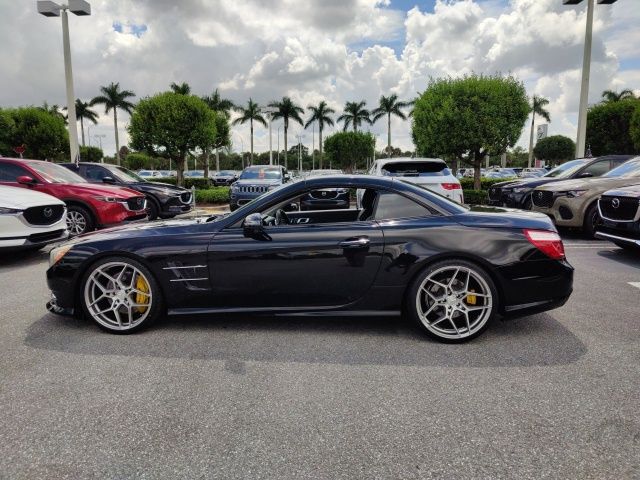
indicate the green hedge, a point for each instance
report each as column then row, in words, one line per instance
column 475, row 197
column 485, row 183
column 199, row 183
column 213, row 195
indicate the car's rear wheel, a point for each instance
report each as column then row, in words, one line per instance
column 120, row 295
column 453, row 300
column 79, row 220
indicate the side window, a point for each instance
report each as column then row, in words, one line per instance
column 95, row 174
column 598, row 168
column 392, row 205
column 10, row 172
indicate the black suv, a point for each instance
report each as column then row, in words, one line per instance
column 620, row 214
column 163, row 199
column 517, row 193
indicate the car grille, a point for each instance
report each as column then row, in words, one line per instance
column 135, row 203
column 542, row 198
column 495, row 193
column 619, row 208
column 324, row 194
column 252, row 188
column 185, row 197
column 44, row 215
column 44, row 237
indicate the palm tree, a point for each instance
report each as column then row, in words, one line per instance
column 354, row 114
column 83, row 112
column 537, row 108
column 183, row 89
column 54, row 110
column 389, row 106
column 320, row 114
column 250, row 113
column 286, row 109
column 218, row 105
column 113, row 99
column 611, row 96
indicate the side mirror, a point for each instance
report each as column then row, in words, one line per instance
column 585, row 175
column 26, row 180
column 287, row 177
column 252, row 225
column 109, row 180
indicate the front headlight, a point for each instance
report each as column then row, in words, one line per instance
column 106, row 199
column 9, row 211
column 575, row 193
column 235, row 188
column 56, row 254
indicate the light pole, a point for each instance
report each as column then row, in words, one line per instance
column 586, row 70
column 278, row 139
column 52, row 9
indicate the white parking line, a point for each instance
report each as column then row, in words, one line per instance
column 634, row 284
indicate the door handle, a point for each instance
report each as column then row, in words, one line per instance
column 360, row 242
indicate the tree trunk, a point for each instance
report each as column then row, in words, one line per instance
column 454, row 165
column 533, row 117
column 389, row 132
column 82, row 130
column 206, row 163
column 286, row 128
column 477, row 164
column 320, row 135
column 115, row 126
column 217, row 159
column 251, row 126
column 180, row 171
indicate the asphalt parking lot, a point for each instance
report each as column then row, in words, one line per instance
column 555, row 395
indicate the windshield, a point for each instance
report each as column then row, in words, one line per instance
column 53, row 173
column 261, row 174
column 226, row 173
column 415, row 169
column 628, row 169
column 126, row 176
column 566, row 169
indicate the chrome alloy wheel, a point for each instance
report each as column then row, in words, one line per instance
column 454, row 302
column 76, row 223
column 118, row 296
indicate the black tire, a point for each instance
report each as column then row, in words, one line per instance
column 153, row 208
column 79, row 220
column 478, row 324
column 155, row 299
column 591, row 220
column 527, row 204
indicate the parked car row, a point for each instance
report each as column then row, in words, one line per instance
column 220, row 178
column 43, row 202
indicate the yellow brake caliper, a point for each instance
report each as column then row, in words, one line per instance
column 141, row 284
column 471, row 299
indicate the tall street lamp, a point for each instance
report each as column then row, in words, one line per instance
column 52, row 9
column 586, row 68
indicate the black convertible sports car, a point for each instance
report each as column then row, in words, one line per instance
column 404, row 249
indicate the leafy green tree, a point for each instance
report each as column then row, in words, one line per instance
column 613, row 96
column 388, row 106
column 608, row 127
column 91, row 154
column 113, row 99
column 55, row 110
column 251, row 113
column 349, row 150
column 83, row 112
column 556, row 148
column 321, row 114
column 469, row 118
column 537, row 108
column 634, row 128
column 183, row 88
column 44, row 134
column 355, row 114
column 287, row 110
column 174, row 125
column 223, row 107
column 138, row 161
column 219, row 104
column 7, row 127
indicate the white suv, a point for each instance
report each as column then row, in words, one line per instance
column 431, row 173
column 30, row 219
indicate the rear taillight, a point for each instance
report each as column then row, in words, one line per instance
column 547, row 242
column 451, row 186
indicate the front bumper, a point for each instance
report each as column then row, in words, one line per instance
column 627, row 233
column 175, row 206
column 565, row 212
column 53, row 307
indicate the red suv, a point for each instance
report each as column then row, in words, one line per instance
column 89, row 206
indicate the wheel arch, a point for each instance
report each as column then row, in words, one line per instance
column 85, row 205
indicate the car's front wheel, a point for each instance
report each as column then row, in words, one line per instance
column 120, row 295
column 79, row 220
column 592, row 220
column 453, row 300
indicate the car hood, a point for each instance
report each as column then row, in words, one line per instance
column 588, row 184
column 160, row 187
column 526, row 183
column 22, row 198
column 258, row 182
column 630, row 191
column 483, row 216
column 101, row 189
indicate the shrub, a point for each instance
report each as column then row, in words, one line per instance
column 213, row 195
column 467, row 183
column 475, row 197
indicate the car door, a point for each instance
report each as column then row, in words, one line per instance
column 9, row 173
column 295, row 266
